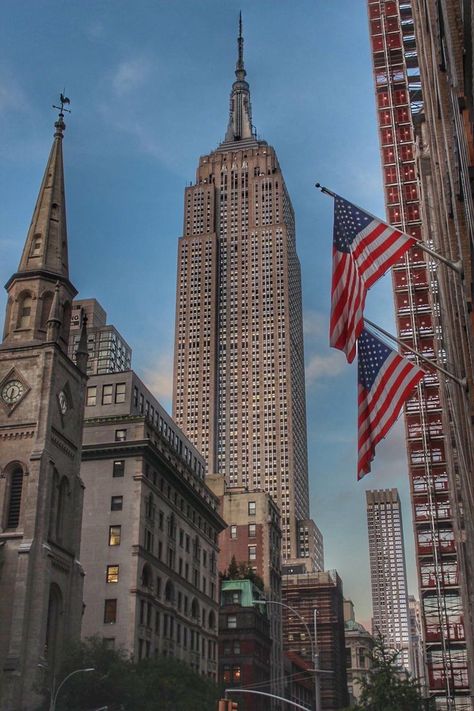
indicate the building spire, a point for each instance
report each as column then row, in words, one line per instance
column 240, row 116
column 239, row 69
column 46, row 243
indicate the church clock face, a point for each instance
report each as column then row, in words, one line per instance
column 12, row 391
column 63, row 403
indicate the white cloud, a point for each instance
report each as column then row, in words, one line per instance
column 130, row 75
column 324, row 366
column 315, row 324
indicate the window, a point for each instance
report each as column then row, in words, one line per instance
column 112, row 574
column 91, row 396
column 14, row 501
column 107, row 391
column 252, row 508
column 119, row 468
column 252, row 552
column 233, row 531
column 252, row 530
column 120, row 392
column 116, row 503
column 115, row 533
column 120, row 435
column 231, row 622
column 110, row 611
column 148, row 540
column 24, row 312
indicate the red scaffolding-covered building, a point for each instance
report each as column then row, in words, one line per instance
column 399, row 104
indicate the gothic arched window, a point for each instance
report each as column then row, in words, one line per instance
column 15, row 489
column 54, row 626
column 24, row 310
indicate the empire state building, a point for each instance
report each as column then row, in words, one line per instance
column 239, row 389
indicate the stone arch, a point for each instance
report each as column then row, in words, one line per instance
column 54, row 626
column 212, row 620
column 169, row 591
column 147, row 577
column 195, row 609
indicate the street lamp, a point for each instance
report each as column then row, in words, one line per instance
column 314, row 645
column 54, row 694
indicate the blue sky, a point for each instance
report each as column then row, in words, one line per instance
column 149, row 84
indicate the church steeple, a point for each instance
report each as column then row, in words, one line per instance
column 44, row 262
column 46, row 243
column 240, row 117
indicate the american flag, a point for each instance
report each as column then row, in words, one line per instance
column 385, row 382
column 364, row 248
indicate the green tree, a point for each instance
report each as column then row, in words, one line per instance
column 242, row 571
column 158, row 684
column 386, row 687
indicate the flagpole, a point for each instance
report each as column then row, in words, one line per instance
column 461, row 382
column 455, row 266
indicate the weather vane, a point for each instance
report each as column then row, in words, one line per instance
column 63, row 101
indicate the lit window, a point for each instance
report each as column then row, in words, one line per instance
column 231, row 622
column 112, row 574
column 120, row 435
column 115, row 533
column 252, row 552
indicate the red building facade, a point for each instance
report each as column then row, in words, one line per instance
column 399, row 104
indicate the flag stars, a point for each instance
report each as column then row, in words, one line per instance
column 372, row 355
column 348, row 223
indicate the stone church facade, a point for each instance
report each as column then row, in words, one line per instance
column 41, row 416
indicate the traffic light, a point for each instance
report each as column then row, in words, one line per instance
column 233, row 706
column 228, row 705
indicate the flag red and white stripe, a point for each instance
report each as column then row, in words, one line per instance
column 364, row 248
column 386, row 379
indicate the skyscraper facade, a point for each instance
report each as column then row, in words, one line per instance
column 388, row 572
column 108, row 350
column 441, row 528
column 239, row 390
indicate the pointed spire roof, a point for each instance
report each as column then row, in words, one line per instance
column 240, row 116
column 46, row 243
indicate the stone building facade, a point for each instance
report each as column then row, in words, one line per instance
column 150, row 529
column 41, row 412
